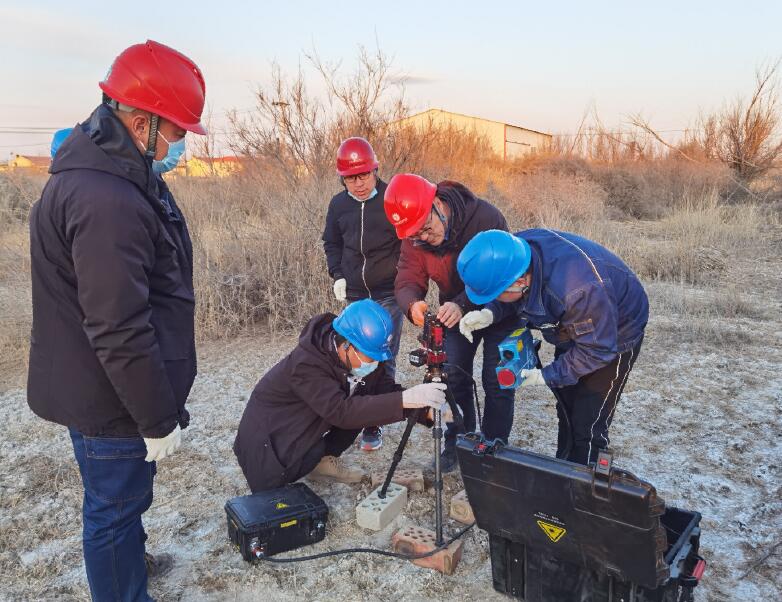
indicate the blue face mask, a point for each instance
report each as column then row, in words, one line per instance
column 372, row 195
column 365, row 369
column 174, row 154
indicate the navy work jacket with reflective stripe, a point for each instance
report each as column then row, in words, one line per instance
column 584, row 300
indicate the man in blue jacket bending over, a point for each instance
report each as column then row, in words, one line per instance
column 584, row 300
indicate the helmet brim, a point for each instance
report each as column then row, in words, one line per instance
column 352, row 171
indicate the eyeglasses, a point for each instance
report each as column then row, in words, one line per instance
column 359, row 177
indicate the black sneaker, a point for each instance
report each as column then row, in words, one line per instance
column 448, row 460
column 371, row 439
column 159, row 565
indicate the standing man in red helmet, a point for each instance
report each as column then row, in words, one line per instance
column 436, row 222
column 112, row 354
column 361, row 247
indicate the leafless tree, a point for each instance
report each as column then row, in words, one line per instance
column 744, row 135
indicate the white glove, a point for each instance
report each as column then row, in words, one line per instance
column 532, row 377
column 341, row 289
column 475, row 320
column 427, row 395
column 157, row 449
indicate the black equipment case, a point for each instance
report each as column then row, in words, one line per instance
column 274, row 521
column 560, row 531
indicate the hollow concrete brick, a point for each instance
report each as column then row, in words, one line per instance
column 376, row 513
column 461, row 509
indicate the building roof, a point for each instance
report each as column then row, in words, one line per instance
column 37, row 161
column 481, row 119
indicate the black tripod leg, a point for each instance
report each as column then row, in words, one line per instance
column 398, row 453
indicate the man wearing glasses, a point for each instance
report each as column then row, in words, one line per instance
column 435, row 223
column 361, row 247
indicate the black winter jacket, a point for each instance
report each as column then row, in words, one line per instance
column 303, row 397
column 361, row 245
column 112, row 349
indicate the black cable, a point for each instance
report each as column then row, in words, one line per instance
column 371, row 551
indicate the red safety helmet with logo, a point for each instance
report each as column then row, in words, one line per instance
column 155, row 78
column 355, row 156
column 408, row 202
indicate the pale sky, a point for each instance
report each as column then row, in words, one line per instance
column 534, row 64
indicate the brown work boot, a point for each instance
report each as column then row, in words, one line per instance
column 159, row 565
column 331, row 468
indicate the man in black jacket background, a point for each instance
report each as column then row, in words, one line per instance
column 361, row 247
column 112, row 353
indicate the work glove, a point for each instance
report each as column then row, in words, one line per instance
column 532, row 377
column 417, row 311
column 427, row 395
column 449, row 314
column 157, row 449
column 341, row 289
column 475, row 320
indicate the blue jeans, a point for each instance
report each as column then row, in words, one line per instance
column 117, row 491
column 498, row 405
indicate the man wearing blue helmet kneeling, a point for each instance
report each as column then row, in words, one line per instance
column 584, row 300
column 310, row 407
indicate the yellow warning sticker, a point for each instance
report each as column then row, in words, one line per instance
column 281, row 505
column 553, row 532
column 290, row 523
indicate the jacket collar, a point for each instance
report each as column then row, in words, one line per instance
column 533, row 301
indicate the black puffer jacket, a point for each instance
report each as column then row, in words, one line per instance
column 112, row 350
column 361, row 245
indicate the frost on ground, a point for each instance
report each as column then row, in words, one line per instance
column 700, row 419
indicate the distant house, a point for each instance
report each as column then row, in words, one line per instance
column 211, row 167
column 508, row 141
column 30, row 163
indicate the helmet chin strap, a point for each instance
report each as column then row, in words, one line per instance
column 152, row 138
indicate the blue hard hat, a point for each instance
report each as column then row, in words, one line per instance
column 59, row 138
column 367, row 326
column 491, row 262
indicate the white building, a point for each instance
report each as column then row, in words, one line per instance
column 508, row 141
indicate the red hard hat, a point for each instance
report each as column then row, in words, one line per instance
column 408, row 202
column 355, row 155
column 158, row 79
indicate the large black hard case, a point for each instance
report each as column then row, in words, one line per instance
column 561, row 531
column 274, row 521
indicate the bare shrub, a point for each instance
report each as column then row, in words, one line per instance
column 18, row 191
column 15, row 297
column 551, row 200
column 640, row 189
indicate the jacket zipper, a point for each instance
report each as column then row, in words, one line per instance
column 361, row 244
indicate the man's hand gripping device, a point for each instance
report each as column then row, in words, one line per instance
column 518, row 351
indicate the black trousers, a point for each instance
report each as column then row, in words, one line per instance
column 586, row 409
column 334, row 443
column 498, row 406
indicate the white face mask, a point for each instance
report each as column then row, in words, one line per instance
column 365, row 369
column 372, row 195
